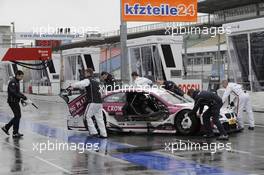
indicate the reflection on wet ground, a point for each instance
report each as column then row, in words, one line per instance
column 120, row 153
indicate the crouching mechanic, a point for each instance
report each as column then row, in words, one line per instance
column 94, row 107
column 13, row 99
column 170, row 86
column 214, row 104
column 243, row 102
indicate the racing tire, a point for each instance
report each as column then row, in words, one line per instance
column 186, row 125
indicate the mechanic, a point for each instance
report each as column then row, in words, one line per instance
column 94, row 107
column 214, row 103
column 143, row 105
column 108, row 80
column 81, row 74
column 170, row 86
column 140, row 81
column 13, row 99
column 243, row 102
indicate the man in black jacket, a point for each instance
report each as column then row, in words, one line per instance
column 14, row 97
column 94, row 107
column 108, row 80
column 214, row 103
column 170, row 86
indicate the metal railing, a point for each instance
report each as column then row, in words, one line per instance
column 159, row 26
column 229, row 15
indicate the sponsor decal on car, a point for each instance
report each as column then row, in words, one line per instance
column 114, row 108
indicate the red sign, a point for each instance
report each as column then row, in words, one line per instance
column 48, row 43
column 27, row 54
column 186, row 87
column 78, row 105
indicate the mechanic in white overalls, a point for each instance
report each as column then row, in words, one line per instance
column 94, row 107
column 243, row 102
column 140, row 81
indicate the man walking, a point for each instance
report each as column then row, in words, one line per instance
column 243, row 102
column 14, row 97
column 94, row 107
column 214, row 103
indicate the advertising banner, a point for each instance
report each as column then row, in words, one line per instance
column 159, row 10
column 25, row 54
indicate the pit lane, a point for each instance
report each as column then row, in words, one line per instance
column 120, row 153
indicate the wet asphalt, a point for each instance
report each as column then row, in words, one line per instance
column 120, row 153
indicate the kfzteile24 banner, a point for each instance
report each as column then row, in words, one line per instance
column 159, row 10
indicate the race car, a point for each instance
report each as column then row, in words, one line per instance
column 151, row 110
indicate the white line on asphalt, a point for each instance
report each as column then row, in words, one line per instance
column 52, row 164
column 39, row 158
column 102, row 154
column 96, row 153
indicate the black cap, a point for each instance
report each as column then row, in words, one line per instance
column 104, row 73
column 134, row 74
column 19, row 72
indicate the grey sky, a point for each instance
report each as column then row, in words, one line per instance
column 28, row 14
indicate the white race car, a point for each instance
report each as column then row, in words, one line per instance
column 146, row 111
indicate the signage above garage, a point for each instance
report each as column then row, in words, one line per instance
column 160, row 10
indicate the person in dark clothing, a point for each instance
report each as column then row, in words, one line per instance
column 143, row 105
column 108, row 80
column 214, row 103
column 170, row 86
column 81, row 74
column 13, row 99
column 94, row 107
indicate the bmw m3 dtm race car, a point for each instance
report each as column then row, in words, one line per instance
column 145, row 111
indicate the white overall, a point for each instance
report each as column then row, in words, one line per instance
column 243, row 102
